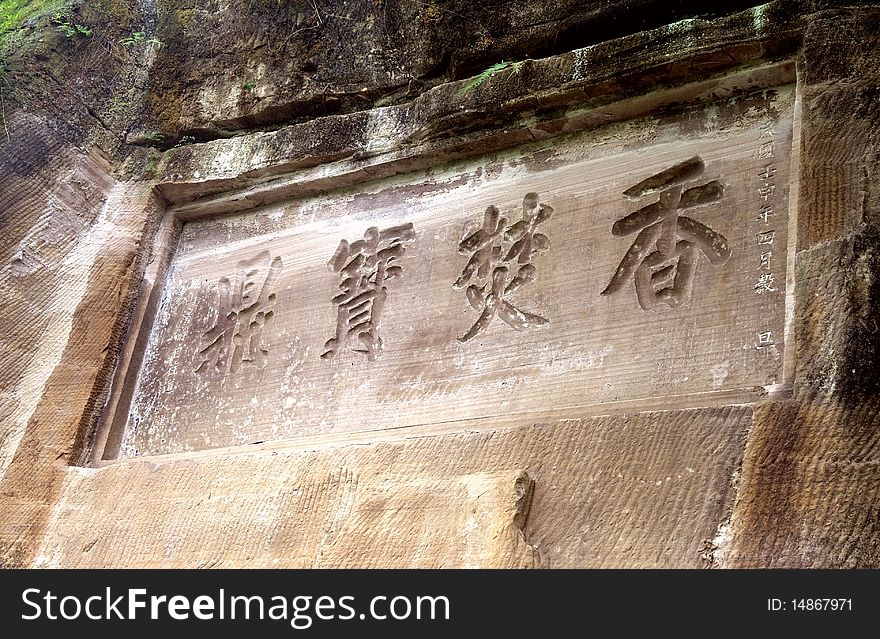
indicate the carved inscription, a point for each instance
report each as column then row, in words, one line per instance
column 766, row 283
column 245, row 306
column 663, row 258
column 765, row 340
column 638, row 267
column 495, row 249
column 365, row 266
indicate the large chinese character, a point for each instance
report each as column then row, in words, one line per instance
column 245, row 306
column 365, row 267
column 490, row 265
column 663, row 258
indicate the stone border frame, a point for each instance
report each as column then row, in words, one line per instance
column 396, row 144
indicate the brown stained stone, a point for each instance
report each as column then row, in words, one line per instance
column 809, row 490
column 50, row 203
column 839, row 290
column 810, row 483
column 247, row 172
column 643, row 490
column 521, row 99
column 840, row 159
column 252, row 65
column 58, row 410
column 606, row 489
column 810, row 487
column 841, row 102
column 840, row 45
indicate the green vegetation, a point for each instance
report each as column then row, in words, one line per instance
column 118, row 106
column 477, row 80
column 137, row 37
column 14, row 12
column 63, row 21
column 151, row 163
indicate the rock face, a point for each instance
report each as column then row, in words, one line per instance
column 394, row 283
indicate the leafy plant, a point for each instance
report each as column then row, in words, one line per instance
column 477, row 80
column 65, row 23
column 134, row 38
column 137, row 37
column 14, row 12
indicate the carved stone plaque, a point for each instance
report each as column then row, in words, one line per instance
column 642, row 264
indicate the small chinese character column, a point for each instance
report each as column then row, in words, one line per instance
column 765, row 282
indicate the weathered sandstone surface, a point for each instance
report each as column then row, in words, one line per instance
column 393, row 283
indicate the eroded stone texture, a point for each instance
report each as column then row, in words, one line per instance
column 638, row 487
column 252, row 64
column 808, row 497
column 647, row 490
column 55, row 202
column 63, row 387
column 809, row 463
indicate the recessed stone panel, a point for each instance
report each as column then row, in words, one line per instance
column 638, row 262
